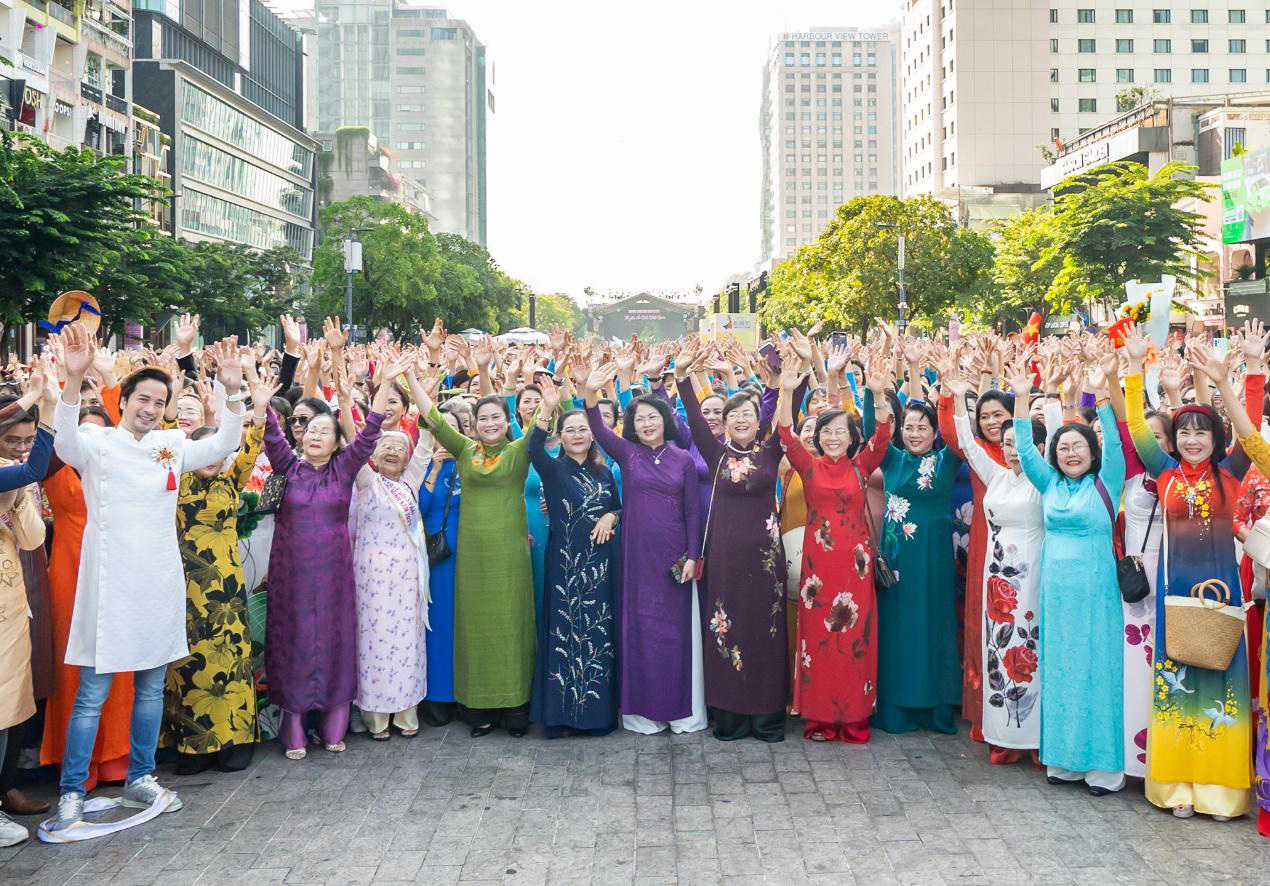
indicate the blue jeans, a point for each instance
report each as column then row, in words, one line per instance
column 81, row 733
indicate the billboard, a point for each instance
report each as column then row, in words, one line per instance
column 1245, row 197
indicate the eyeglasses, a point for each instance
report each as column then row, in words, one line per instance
column 298, row 421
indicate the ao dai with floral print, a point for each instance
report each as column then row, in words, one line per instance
column 919, row 681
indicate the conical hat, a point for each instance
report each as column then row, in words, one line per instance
column 74, row 306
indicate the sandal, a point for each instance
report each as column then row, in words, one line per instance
column 296, row 753
column 379, row 736
column 819, row 736
column 337, row 748
column 409, row 733
column 1185, row 810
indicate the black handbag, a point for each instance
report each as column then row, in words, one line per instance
column 271, row 495
column 438, row 548
column 1134, row 585
column 884, row 577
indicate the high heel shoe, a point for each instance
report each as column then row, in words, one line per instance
column 483, row 729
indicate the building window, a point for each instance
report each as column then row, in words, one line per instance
column 1199, row 46
column 1162, row 46
column 1054, row 105
column 1053, row 44
column 789, row 59
column 1124, row 46
column 1199, row 16
column 1238, row 46
column 1124, row 16
column 1124, row 75
column 445, row 33
column 1236, row 16
column 410, row 72
column 1053, row 133
column 1238, row 75
column 1163, row 75
column 1088, row 105
column 1087, row 44
column 1161, row 16
column 1085, row 16
column 409, row 50
column 1054, row 16
column 1199, row 75
column 1087, row 75
column 1233, row 136
column 1053, row 75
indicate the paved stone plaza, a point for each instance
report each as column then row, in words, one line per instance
column 446, row 808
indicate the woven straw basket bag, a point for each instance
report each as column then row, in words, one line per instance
column 1203, row 632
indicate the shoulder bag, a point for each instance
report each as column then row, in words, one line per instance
column 438, row 548
column 1132, row 578
column 884, row 577
column 271, row 495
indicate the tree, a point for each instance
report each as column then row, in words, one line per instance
column 238, row 290
column 1118, row 222
column 63, row 218
column 1021, row 276
column 848, row 276
column 473, row 292
column 1131, row 97
column 552, row 310
column 150, row 276
column 401, row 264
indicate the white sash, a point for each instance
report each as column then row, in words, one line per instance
column 393, row 491
column 88, row 830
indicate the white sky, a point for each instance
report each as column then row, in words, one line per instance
column 624, row 153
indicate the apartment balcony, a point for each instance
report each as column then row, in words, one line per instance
column 117, row 104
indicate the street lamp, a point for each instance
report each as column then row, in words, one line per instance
column 901, row 323
column 352, row 265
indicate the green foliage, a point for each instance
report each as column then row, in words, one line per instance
column 1021, row 277
column 847, row 277
column 552, row 310
column 1119, row 222
column 61, row 218
column 239, row 290
column 400, row 260
column 484, row 297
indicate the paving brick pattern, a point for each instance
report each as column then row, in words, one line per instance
column 445, row 808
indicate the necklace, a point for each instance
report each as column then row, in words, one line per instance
column 1197, row 495
column 657, row 455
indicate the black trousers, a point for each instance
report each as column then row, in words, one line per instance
column 765, row 727
column 12, row 749
column 508, row 718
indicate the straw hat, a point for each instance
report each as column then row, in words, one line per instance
column 75, row 306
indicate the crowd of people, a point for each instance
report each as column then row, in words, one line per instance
column 210, row 547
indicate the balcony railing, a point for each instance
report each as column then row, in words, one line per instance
column 61, row 13
column 92, row 93
column 115, row 103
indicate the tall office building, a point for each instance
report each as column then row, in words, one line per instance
column 827, row 125
column 226, row 80
column 987, row 87
column 417, row 78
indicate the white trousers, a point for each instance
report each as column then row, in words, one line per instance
column 697, row 720
column 406, row 721
column 1095, row 778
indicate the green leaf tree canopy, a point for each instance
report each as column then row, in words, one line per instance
column 61, row 218
column 552, row 310
column 1119, row 222
column 847, row 276
column 400, row 259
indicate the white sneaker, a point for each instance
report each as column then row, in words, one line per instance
column 11, row 833
column 1184, row 811
column 70, row 810
column 142, row 793
column 1220, row 817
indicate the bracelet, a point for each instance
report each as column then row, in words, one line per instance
column 237, row 398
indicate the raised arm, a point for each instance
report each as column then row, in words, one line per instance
column 28, row 526
column 1112, row 471
column 215, row 449
column 279, row 452
column 453, row 442
column 417, row 467
column 1040, row 472
column 709, row 447
column 73, row 447
column 540, row 430
column 970, row 451
column 349, row 460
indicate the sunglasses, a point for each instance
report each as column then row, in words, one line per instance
column 298, row 421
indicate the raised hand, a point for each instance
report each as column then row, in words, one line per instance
column 78, row 349
column 801, row 346
column 1204, row 359
column 229, row 370
column 483, row 352
column 837, row 361
column 436, row 338
column 290, row 334
column 550, row 398
column 1254, row 343
column 185, row 332
column 599, row 377
column 878, row 376
column 1020, row 379
column 1135, row 344
column 334, row 336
